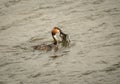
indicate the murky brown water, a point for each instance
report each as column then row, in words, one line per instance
column 94, row 53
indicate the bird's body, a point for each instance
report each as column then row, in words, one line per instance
column 45, row 47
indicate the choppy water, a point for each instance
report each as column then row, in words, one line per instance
column 94, row 53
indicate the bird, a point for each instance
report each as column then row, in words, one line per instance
column 51, row 46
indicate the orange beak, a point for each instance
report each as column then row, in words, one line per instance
column 54, row 30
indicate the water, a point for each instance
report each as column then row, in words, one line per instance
column 93, row 55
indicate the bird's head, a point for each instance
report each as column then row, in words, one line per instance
column 55, row 30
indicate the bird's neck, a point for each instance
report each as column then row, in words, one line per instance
column 55, row 39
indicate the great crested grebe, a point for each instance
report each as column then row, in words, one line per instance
column 49, row 47
column 54, row 45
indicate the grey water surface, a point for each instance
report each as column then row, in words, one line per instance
column 93, row 56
